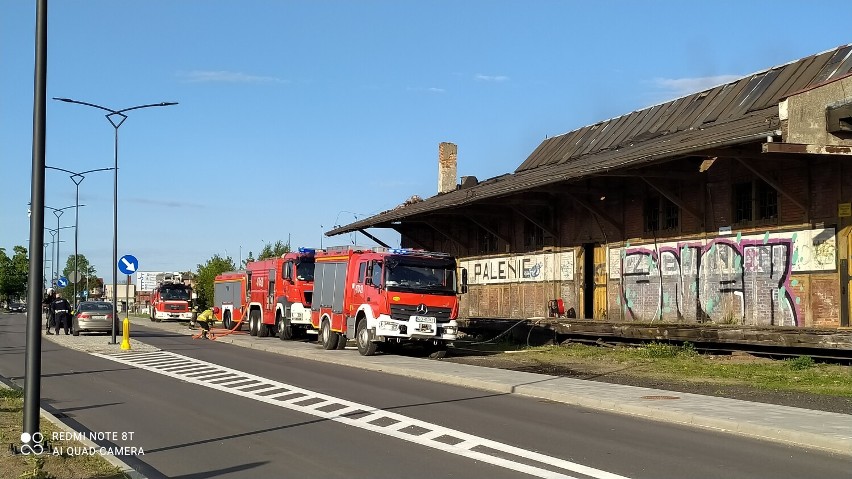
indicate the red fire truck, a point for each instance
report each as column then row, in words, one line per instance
column 171, row 298
column 280, row 291
column 229, row 294
column 386, row 297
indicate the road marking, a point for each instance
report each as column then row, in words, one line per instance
column 358, row 415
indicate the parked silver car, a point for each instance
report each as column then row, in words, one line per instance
column 93, row 316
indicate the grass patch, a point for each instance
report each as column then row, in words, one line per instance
column 684, row 363
column 46, row 466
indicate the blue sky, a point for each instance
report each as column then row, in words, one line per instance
column 298, row 116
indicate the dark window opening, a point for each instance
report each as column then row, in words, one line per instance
column 660, row 213
column 533, row 236
column 755, row 201
column 487, row 242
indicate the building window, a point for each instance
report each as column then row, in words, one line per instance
column 533, row 236
column 755, row 201
column 486, row 241
column 660, row 213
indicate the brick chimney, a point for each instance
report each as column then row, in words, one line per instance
column 447, row 168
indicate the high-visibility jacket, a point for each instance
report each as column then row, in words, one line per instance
column 206, row 316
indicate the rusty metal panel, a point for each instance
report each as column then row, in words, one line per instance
column 724, row 103
column 772, row 94
column 845, row 67
column 750, row 103
column 830, row 66
column 667, row 125
column 671, row 107
column 571, row 139
column 538, row 154
column 702, row 109
column 623, row 130
column 638, row 125
column 643, row 131
column 810, row 72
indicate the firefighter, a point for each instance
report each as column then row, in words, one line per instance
column 204, row 320
column 60, row 312
column 46, row 302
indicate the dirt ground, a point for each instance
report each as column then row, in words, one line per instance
column 621, row 375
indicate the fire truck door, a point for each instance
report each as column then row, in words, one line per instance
column 270, row 292
column 359, row 289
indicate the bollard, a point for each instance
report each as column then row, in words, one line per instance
column 125, row 334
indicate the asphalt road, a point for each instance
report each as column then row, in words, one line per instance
column 189, row 427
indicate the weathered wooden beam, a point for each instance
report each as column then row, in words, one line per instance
column 804, row 206
column 805, row 149
column 399, row 229
column 600, row 214
column 368, row 235
column 445, row 234
column 489, row 230
column 676, row 200
column 534, row 221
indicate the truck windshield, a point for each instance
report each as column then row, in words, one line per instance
column 175, row 294
column 420, row 277
column 305, row 271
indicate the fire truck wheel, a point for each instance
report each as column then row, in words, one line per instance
column 262, row 329
column 327, row 338
column 365, row 346
column 254, row 320
column 285, row 329
column 341, row 341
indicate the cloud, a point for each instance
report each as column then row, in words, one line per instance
column 431, row 89
column 494, row 78
column 168, row 204
column 224, row 76
column 678, row 87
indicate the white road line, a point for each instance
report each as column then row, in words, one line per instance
column 463, row 444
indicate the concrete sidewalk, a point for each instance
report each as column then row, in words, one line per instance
column 801, row 427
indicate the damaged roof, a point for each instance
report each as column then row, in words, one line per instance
column 733, row 113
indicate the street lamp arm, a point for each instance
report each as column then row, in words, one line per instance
column 68, row 100
column 162, row 103
column 74, row 173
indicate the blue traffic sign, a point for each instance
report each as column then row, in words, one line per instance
column 128, row 264
column 63, row 282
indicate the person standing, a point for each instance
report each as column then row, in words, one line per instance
column 60, row 310
column 46, row 302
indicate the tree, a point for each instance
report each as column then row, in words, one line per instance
column 274, row 250
column 14, row 272
column 206, row 274
column 86, row 271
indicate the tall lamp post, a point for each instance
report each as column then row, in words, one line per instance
column 116, row 119
column 58, row 213
column 77, row 178
column 53, row 242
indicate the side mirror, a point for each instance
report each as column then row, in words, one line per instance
column 464, row 280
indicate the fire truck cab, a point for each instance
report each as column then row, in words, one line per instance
column 171, row 298
column 280, row 292
column 381, row 296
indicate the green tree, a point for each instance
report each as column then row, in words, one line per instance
column 86, row 271
column 14, row 272
column 274, row 250
column 206, row 274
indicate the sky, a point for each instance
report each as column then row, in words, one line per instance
column 297, row 116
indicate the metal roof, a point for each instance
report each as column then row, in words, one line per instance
column 729, row 114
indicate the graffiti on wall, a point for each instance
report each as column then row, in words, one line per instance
column 732, row 280
column 521, row 268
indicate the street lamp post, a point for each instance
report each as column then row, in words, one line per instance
column 77, row 178
column 116, row 119
column 54, row 241
column 58, row 213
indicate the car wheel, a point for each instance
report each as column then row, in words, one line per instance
column 75, row 328
column 327, row 337
column 365, row 346
column 439, row 352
